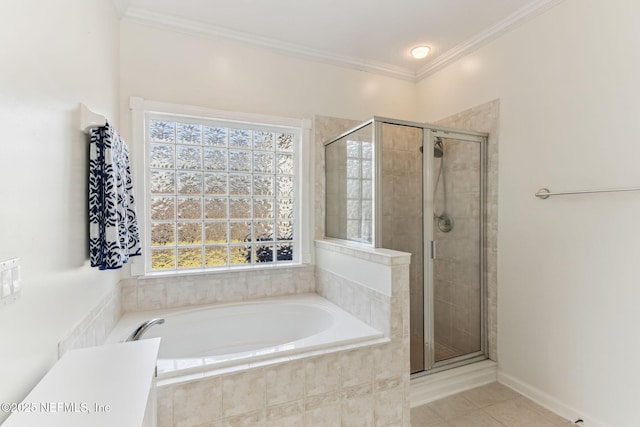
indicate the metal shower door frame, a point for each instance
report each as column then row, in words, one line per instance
column 430, row 132
column 429, row 136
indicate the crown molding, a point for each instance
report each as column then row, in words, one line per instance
column 121, row 6
column 191, row 27
column 198, row 28
column 485, row 37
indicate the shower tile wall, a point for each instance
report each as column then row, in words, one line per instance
column 456, row 270
column 402, row 216
column 484, row 118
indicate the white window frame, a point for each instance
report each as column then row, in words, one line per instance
column 141, row 266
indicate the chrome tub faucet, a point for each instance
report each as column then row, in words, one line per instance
column 140, row 330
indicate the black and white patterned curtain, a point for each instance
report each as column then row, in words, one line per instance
column 113, row 226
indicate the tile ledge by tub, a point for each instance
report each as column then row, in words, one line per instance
column 230, row 271
column 359, row 250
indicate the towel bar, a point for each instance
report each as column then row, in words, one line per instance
column 89, row 119
column 545, row 193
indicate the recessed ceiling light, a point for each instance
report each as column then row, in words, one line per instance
column 420, row 52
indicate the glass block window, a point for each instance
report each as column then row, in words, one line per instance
column 220, row 194
column 359, row 190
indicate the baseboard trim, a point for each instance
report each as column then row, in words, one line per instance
column 432, row 387
column 549, row 402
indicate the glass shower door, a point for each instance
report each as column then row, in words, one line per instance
column 455, row 297
column 431, row 198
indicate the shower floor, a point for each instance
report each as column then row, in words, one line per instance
column 444, row 352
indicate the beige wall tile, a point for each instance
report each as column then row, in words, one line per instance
column 356, row 367
column 358, row 412
column 285, row 410
column 164, row 404
column 251, row 419
column 323, row 416
column 285, row 382
column 322, row 374
column 243, row 392
column 152, row 296
column 388, row 406
column 197, row 402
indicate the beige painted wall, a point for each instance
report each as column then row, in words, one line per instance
column 167, row 66
column 567, row 266
column 54, row 56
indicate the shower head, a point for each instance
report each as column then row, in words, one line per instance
column 438, row 148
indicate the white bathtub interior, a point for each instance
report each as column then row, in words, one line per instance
column 208, row 338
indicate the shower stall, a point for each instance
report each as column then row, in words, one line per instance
column 420, row 189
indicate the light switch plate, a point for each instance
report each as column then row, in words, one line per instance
column 15, row 276
column 5, row 280
column 9, row 281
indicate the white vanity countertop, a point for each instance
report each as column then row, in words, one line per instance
column 97, row 386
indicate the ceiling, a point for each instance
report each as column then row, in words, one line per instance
column 372, row 35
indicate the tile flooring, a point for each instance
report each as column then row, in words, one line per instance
column 492, row 405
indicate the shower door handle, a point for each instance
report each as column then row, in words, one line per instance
column 433, row 249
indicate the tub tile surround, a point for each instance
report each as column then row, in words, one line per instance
column 385, row 367
column 94, row 328
column 356, row 385
column 140, row 294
